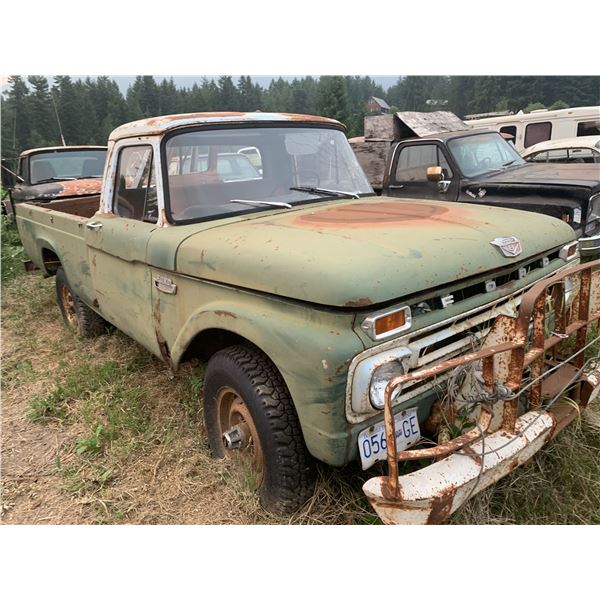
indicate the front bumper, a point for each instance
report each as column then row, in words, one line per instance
column 589, row 246
column 514, row 417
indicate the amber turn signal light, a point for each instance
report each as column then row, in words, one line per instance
column 387, row 322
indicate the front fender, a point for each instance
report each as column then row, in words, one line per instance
column 310, row 347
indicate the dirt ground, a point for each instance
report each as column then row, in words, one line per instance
column 159, row 471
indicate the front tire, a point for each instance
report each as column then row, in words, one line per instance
column 250, row 417
column 76, row 314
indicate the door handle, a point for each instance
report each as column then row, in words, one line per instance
column 396, row 186
column 94, row 225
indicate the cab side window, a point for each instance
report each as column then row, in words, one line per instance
column 24, row 169
column 414, row 161
column 135, row 191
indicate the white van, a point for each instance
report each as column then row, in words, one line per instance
column 541, row 125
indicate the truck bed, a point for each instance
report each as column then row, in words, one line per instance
column 53, row 231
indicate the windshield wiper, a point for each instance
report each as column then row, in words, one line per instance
column 262, row 203
column 316, row 190
column 510, row 162
column 55, row 179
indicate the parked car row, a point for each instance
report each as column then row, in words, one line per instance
column 566, row 150
column 333, row 320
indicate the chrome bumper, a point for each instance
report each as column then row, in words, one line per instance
column 589, row 246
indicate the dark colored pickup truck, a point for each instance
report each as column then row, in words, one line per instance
column 482, row 167
column 56, row 173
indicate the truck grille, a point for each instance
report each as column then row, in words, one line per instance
column 447, row 340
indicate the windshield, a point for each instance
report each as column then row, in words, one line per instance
column 70, row 164
column 478, row 154
column 212, row 173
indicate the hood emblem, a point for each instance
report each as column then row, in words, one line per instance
column 509, row 246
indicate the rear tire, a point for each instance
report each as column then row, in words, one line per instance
column 245, row 391
column 77, row 315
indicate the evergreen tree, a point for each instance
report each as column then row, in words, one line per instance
column 67, row 106
column 195, row 100
column 332, row 98
column 16, row 130
column 41, row 114
column 279, row 97
column 228, row 94
column 87, row 126
column 303, row 96
column 167, row 97
column 211, row 94
column 249, row 94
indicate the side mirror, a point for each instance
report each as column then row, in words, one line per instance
column 440, row 176
column 434, row 174
column 8, row 177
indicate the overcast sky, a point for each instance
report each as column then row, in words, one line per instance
column 188, row 80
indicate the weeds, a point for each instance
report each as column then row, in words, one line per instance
column 131, row 445
column 12, row 251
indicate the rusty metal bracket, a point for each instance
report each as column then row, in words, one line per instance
column 527, row 344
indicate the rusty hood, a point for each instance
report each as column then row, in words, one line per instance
column 363, row 252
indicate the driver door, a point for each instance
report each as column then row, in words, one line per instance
column 116, row 246
column 408, row 178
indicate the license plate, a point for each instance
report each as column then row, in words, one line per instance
column 372, row 444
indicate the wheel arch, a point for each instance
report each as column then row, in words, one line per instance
column 49, row 258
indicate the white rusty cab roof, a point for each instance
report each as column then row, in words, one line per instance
column 158, row 125
column 60, row 149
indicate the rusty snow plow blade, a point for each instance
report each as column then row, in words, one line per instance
column 529, row 379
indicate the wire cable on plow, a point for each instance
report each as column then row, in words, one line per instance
column 546, row 406
column 484, row 453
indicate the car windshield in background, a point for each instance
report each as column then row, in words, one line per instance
column 212, row 173
column 485, row 153
column 75, row 164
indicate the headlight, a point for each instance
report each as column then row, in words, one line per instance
column 388, row 322
column 371, row 376
column 381, row 377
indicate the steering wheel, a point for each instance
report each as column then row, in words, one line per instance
column 305, row 177
column 485, row 163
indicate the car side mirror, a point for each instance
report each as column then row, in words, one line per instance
column 439, row 175
column 434, row 174
column 8, row 177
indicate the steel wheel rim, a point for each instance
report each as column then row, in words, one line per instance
column 232, row 411
column 69, row 305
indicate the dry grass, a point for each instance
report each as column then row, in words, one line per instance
column 94, row 431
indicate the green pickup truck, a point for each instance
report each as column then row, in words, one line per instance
column 253, row 241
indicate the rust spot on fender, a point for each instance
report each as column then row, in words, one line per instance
column 358, row 302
